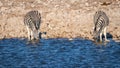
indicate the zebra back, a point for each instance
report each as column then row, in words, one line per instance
column 32, row 19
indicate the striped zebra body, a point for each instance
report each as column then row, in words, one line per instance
column 32, row 21
column 101, row 22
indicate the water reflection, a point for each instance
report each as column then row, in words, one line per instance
column 58, row 53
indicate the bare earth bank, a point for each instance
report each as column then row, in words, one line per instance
column 60, row 18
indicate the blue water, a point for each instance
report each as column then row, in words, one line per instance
column 58, row 53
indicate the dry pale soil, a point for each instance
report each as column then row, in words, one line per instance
column 60, row 18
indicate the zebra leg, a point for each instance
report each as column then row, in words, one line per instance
column 36, row 35
column 29, row 34
column 105, row 35
column 32, row 35
column 100, row 36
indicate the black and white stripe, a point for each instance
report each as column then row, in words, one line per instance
column 101, row 22
column 32, row 21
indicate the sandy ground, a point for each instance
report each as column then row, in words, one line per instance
column 60, row 18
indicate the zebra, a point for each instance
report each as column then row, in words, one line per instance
column 101, row 21
column 32, row 22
